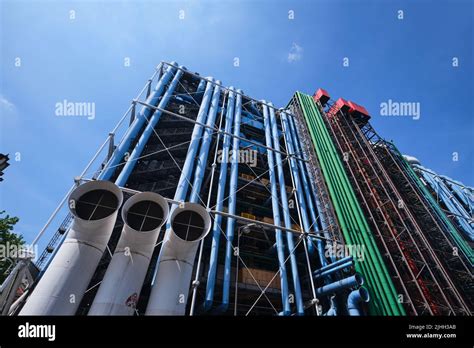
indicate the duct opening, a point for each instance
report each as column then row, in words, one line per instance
column 188, row 225
column 96, row 205
column 364, row 295
column 359, row 279
column 145, row 216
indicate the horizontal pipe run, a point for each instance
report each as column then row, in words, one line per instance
column 333, row 270
column 334, row 264
column 353, row 281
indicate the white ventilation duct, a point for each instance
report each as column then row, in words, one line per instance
column 143, row 215
column 189, row 224
column 94, row 206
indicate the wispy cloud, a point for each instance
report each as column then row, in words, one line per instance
column 296, row 53
column 5, row 104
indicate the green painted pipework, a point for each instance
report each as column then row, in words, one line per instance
column 354, row 219
column 347, row 218
column 350, row 216
column 460, row 241
column 354, row 214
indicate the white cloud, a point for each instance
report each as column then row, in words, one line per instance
column 296, row 53
column 5, row 104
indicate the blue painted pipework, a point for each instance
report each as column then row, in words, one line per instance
column 334, row 264
column 216, row 231
column 443, row 192
column 323, row 223
column 187, row 170
column 206, row 143
column 333, row 309
column 138, row 149
column 232, row 200
column 286, row 215
column 307, row 189
column 276, row 213
column 355, row 299
column 137, row 124
column 332, row 270
column 294, row 168
column 349, row 282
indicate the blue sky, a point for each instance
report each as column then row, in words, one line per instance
column 407, row 60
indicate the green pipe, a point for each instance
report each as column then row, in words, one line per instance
column 361, row 221
column 335, row 193
column 354, row 220
column 349, row 212
column 346, row 211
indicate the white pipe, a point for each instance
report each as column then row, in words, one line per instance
column 94, row 206
column 190, row 223
column 143, row 215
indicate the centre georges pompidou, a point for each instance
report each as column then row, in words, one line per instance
column 205, row 201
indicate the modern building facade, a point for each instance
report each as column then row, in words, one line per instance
column 213, row 202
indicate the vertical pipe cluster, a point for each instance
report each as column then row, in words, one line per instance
column 149, row 129
column 188, row 225
column 232, row 200
column 216, row 229
column 206, row 143
column 286, row 213
column 276, row 212
column 138, row 123
column 353, row 224
column 307, row 190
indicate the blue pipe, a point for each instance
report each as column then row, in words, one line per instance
column 138, row 149
column 353, row 281
column 216, row 231
column 187, row 170
column 355, row 299
column 451, row 203
column 286, row 215
column 463, row 194
column 307, row 190
column 315, row 194
column 333, row 309
column 200, row 89
column 137, row 123
column 296, row 176
column 332, row 270
column 206, row 143
column 234, row 171
column 276, row 213
column 253, row 108
column 334, row 264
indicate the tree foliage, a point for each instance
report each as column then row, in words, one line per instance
column 7, row 237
